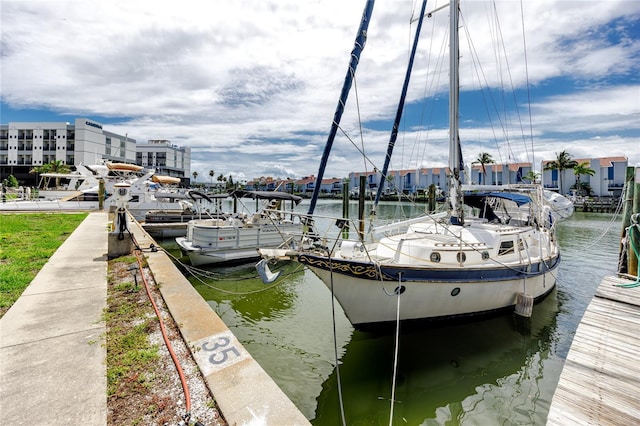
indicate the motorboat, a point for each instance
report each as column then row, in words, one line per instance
column 236, row 238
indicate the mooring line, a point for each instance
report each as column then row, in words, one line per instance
column 395, row 357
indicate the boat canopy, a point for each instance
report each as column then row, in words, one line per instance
column 72, row 175
column 124, row 166
column 166, row 180
column 268, row 195
column 473, row 198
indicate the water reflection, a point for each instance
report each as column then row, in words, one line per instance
column 441, row 370
column 239, row 289
column 287, row 327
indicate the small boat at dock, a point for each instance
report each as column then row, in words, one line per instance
column 237, row 237
column 169, row 223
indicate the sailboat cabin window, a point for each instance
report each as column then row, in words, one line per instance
column 506, row 247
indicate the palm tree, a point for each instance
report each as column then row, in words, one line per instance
column 390, row 183
column 211, row 173
column 55, row 166
column 531, row 176
column 582, row 169
column 195, row 176
column 562, row 162
column 484, row 158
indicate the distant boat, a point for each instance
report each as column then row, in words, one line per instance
column 68, row 186
column 236, row 238
column 79, row 190
column 495, row 249
column 148, row 191
column 163, row 223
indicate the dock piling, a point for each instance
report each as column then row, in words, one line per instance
column 630, row 241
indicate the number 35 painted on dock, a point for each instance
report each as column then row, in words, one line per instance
column 219, row 351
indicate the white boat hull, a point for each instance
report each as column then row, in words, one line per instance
column 367, row 301
column 199, row 257
column 47, row 205
column 224, row 244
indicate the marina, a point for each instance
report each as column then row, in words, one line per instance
column 500, row 369
column 431, row 289
column 503, row 369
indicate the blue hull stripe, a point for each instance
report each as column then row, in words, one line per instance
column 367, row 270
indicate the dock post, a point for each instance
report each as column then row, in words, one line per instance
column 101, row 192
column 634, row 235
column 345, row 209
column 627, row 207
column 431, row 206
column 361, row 196
column 628, row 260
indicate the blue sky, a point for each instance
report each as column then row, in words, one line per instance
column 251, row 86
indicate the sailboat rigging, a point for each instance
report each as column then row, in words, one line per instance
column 495, row 249
column 358, row 46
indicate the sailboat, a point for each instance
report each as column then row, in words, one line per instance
column 494, row 250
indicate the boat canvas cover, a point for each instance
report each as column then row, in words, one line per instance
column 472, row 198
column 167, row 180
column 268, row 195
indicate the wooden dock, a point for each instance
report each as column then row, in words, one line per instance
column 600, row 381
column 599, row 206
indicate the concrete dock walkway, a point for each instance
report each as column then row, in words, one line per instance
column 52, row 341
column 52, row 352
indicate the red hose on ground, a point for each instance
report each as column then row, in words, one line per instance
column 185, row 387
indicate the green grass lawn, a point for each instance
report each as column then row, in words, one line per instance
column 27, row 240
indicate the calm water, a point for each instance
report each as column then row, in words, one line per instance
column 499, row 371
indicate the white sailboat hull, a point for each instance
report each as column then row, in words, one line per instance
column 442, row 271
column 367, row 301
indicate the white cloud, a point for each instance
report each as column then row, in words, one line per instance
column 252, row 85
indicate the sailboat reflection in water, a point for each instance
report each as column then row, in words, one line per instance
column 494, row 371
column 494, row 249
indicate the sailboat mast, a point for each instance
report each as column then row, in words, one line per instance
column 396, row 122
column 361, row 38
column 455, row 189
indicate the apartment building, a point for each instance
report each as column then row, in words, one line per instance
column 166, row 158
column 607, row 180
column 25, row 145
column 409, row 181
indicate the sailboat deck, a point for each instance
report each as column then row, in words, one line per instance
column 601, row 377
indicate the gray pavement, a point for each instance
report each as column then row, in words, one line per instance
column 52, row 353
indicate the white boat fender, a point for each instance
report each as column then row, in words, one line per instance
column 524, row 304
column 265, row 273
